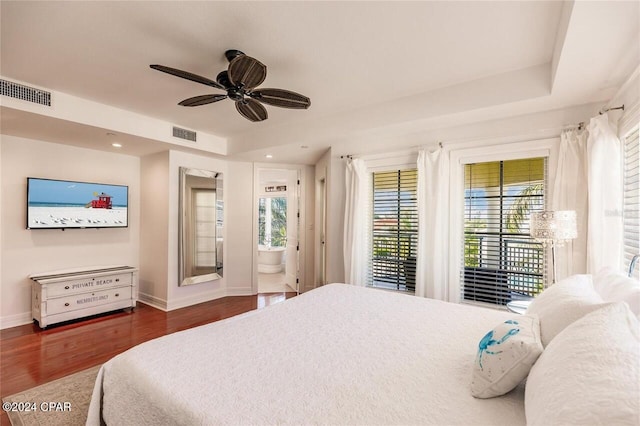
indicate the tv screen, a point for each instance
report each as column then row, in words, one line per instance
column 60, row 204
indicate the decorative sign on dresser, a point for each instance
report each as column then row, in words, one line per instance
column 66, row 295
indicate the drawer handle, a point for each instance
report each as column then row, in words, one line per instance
column 117, row 294
column 117, row 279
column 66, row 304
column 66, row 287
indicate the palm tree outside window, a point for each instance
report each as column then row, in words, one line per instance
column 272, row 221
column 501, row 261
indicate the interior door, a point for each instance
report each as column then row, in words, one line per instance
column 293, row 221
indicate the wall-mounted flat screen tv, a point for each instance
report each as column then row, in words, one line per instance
column 61, row 204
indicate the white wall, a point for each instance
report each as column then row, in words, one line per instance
column 25, row 252
column 178, row 296
column 239, row 241
column 160, row 184
column 1, row 234
column 336, row 194
column 154, row 229
column 151, row 240
column 628, row 95
column 332, row 170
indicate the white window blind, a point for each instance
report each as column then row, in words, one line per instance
column 631, row 214
column 501, row 262
column 394, row 229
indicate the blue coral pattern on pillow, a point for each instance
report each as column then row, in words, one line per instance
column 505, row 355
column 489, row 342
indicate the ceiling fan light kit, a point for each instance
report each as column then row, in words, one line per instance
column 239, row 81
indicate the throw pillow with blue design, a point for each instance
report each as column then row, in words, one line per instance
column 505, row 355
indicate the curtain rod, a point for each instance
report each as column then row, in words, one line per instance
column 603, row 110
column 349, row 156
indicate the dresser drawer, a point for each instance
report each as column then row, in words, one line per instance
column 89, row 284
column 87, row 300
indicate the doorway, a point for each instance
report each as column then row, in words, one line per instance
column 277, row 199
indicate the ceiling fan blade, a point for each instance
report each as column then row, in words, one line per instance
column 281, row 98
column 251, row 110
column 202, row 100
column 187, row 75
column 247, row 71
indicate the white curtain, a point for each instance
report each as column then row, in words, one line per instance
column 604, row 160
column 355, row 223
column 589, row 180
column 570, row 193
column 433, row 224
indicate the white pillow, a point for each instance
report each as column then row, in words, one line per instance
column 614, row 286
column 505, row 356
column 590, row 373
column 563, row 303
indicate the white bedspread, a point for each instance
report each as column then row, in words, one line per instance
column 336, row 355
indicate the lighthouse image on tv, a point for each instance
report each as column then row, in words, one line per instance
column 69, row 204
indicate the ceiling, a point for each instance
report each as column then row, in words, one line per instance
column 375, row 71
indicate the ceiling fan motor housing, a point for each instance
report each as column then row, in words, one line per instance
column 235, row 93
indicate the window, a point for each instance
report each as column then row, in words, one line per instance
column 631, row 214
column 501, row 262
column 394, row 229
column 272, row 221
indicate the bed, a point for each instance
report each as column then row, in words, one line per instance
column 338, row 354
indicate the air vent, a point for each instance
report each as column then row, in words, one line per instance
column 184, row 134
column 26, row 93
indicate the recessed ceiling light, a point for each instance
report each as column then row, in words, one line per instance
column 116, row 144
column 269, row 156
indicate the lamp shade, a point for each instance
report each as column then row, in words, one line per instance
column 557, row 226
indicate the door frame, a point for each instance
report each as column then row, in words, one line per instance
column 301, row 227
column 321, row 247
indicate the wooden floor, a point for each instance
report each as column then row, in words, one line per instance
column 30, row 356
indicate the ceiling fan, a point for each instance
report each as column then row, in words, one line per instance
column 240, row 81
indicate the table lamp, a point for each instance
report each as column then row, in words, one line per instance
column 554, row 228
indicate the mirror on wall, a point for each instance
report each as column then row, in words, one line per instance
column 200, row 226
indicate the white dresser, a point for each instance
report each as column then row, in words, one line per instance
column 66, row 295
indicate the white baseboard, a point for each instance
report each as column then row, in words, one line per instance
column 184, row 302
column 239, row 291
column 15, row 320
column 194, row 300
column 152, row 301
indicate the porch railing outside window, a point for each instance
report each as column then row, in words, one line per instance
column 394, row 230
